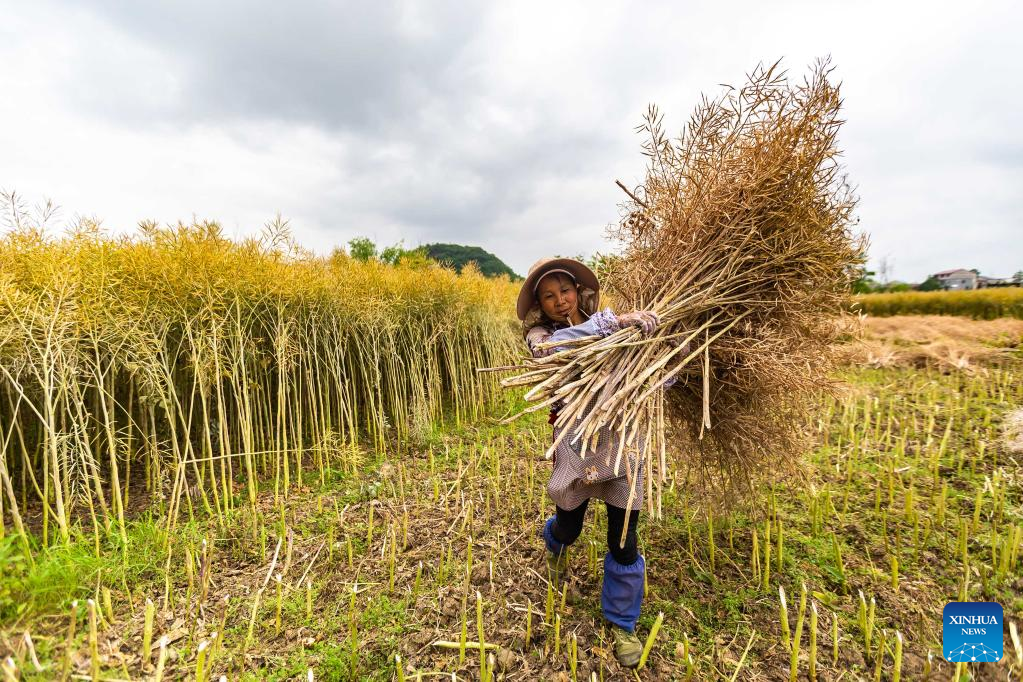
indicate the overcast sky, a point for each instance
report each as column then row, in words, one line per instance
column 502, row 125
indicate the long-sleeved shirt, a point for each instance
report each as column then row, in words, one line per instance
column 601, row 323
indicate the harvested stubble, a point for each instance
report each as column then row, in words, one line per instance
column 923, row 340
column 740, row 240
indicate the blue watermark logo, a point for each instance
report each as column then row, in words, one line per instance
column 972, row 631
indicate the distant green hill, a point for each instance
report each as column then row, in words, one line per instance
column 458, row 255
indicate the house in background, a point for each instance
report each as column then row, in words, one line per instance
column 957, row 279
column 985, row 282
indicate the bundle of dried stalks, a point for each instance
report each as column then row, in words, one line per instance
column 740, row 239
column 1012, row 431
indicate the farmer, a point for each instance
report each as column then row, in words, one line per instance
column 557, row 302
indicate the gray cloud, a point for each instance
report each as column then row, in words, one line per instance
column 362, row 66
column 502, row 125
column 403, row 89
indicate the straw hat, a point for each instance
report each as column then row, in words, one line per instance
column 576, row 270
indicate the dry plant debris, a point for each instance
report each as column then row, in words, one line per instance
column 740, row 240
column 930, row 340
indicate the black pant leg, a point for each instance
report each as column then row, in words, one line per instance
column 568, row 523
column 615, row 520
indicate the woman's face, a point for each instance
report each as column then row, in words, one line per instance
column 558, row 297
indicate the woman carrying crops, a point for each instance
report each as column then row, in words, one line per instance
column 557, row 302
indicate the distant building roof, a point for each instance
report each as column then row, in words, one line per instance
column 946, row 273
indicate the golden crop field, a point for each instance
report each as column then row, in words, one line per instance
column 182, row 361
column 980, row 304
column 239, row 459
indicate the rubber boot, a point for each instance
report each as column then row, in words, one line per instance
column 557, row 556
column 628, row 648
column 620, row 600
column 557, row 566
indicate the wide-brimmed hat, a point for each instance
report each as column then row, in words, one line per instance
column 579, row 272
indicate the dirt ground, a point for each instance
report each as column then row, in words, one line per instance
column 364, row 564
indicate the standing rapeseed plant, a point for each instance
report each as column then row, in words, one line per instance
column 198, row 363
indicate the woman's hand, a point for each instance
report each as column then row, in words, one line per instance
column 646, row 320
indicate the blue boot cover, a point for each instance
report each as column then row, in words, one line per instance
column 622, row 593
column 548, row 536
